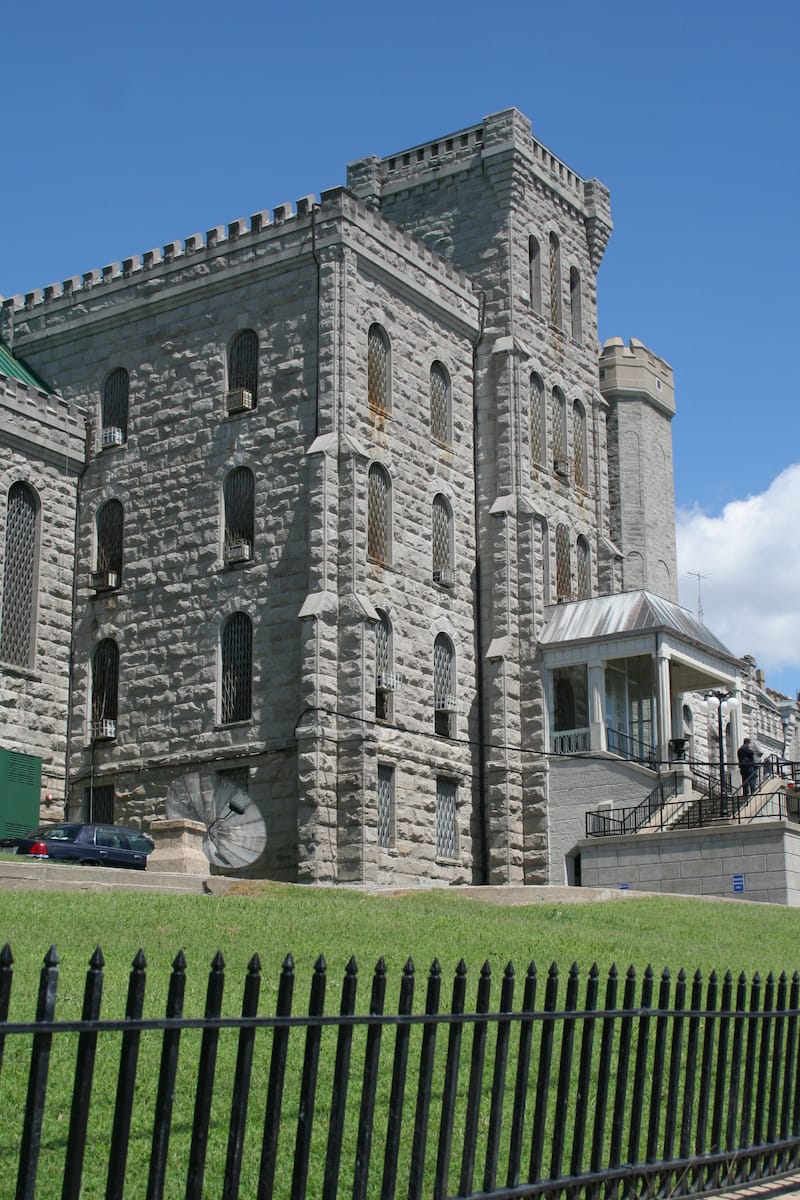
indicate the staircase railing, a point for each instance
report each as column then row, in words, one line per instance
column 634, row 749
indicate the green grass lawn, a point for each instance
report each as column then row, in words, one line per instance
column 274, row 920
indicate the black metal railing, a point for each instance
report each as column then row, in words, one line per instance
column 633, row 748
column 616, row 821
column 676, row 1087
column 698, row 813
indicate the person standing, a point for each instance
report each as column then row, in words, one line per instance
column 747, row 766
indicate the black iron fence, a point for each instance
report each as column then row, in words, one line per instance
column 583, row 1090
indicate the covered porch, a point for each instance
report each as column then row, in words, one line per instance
column 617, row 669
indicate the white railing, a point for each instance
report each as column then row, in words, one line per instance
column 569, row 741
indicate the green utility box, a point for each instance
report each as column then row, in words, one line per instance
column 20, row 792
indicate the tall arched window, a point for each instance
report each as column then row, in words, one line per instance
column 559, row 424
column 563, row 565
column 239, row 499
column 378, row 378
column 243, row 371
column 237, row 669
column 579, row 444
column 379, row 514
column 114, row 408
column 440, row 404
column 442, row 542
column 538, row 422
column 17, row 641
column 555, row 280
column 105, row 688
column 444, row 685
column 535, row 274
column 110, row 524
column 583, row 568
column 576, row 316
column 385, row 681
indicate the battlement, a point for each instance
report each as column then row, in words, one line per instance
column 636, row 370
column 369, row 177
column 42, row 423
column 225, row 239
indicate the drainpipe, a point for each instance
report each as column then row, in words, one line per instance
column 484, row 840
column 318, row 265
column 73, row 609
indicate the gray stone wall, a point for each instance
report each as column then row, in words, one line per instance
column 42, row 445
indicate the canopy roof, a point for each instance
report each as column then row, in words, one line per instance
column 12, row 368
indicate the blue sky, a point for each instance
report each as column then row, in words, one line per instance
column 127, row 126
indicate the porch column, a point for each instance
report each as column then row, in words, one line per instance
column 663, row 705
column 597, row 707
column 735, row 713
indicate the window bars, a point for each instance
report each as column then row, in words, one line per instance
column 114, row 408
column 105, row 685
column 579, row 444
column 446, row 826
column 110, row 522
column 563, row 572
column 239, row 498
column 19, row 577
column 443, row 684
column 378, row 369
column 243, row 364
column 378, row 514
column 559, row 430
column 442, row 541
column 538, row 442
column 440, row 404
column 385, row 805
column 555, row 281
column 583, row 568
column 237, row 669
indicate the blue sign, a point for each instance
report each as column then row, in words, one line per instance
column 738, row 883
column 623, row 887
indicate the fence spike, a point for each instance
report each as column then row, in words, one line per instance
column 218, row 962
column 509, row 971
column 97, row 962
column 254, row 966
column 179, row 962
column 6, row 957
column 352, row 966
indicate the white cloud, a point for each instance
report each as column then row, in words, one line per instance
column 750, row 557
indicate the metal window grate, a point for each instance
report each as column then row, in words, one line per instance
column 239, row 494
column 379, row 513
column 19, row 576
column 559, row 426
column 383, row 665
column 237, row 668
column 575, row 304
column 444, row 682
column 238, row 776
column 110, row 522
column 563, row 572
column 441, row 538
column 582, row 568
column 99, row 804
column 114, row 409
column 535, row 273
column 378, row 369
column 579, row 443
column 385, row 805
column 555, row 280
column 537, row 421
column 105, row 680
column 243, row 363
column 446, row 825
column 440, row 403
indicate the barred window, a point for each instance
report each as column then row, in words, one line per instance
column 559, row 423
column 555, row 280
column 243, row 363
column 385, row 805
column 237, row 669
column 105, row 680
column 576, row 317
column 440, row 404
column 538, row 421
column 17, row 642
column 442, row 541
column 114, row 407
column 563, row 565
column 110, row 522
column 239, row 498
column 378, row 379
column 384, row 669
column 535, row 275
column 446, row 823
column 579, row 443
column 379, row 514
column 583, row 568
column 99, row 804
column 239, row 777
column 444, row 685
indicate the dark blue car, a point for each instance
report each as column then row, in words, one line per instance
column 91, row 845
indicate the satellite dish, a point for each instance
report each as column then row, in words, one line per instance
column 235, row 831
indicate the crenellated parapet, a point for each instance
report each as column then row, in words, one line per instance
column 256, row 237
column 634, row 370
column 42, row 424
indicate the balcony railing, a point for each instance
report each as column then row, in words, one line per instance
column 570, row 741
column 632, row 748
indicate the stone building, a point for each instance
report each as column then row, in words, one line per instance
column 366, row 527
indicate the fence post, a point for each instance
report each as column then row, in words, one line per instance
column 584, row 1071
column 241, row 1081
column 205, row 1082
column 37, row 1080
column 341, row 1079
column 641, row 1068
column 397, row 1095
column 523, row 1071
column 604, row 1070
column 84, row 1073
column 543, row 1080
column 372, row 1052
column 6, row 978
column 475, row 1086
column 417, row 1168
column 451, row 1070
column 165, row 1096
column 126, row 1082
column 277, row 1071
column 563, row 1092
column 308, row 1086
column 498, row 1081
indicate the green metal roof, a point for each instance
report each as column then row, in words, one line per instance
column 14, row 369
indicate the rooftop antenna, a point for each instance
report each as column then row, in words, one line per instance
column 697, row 575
